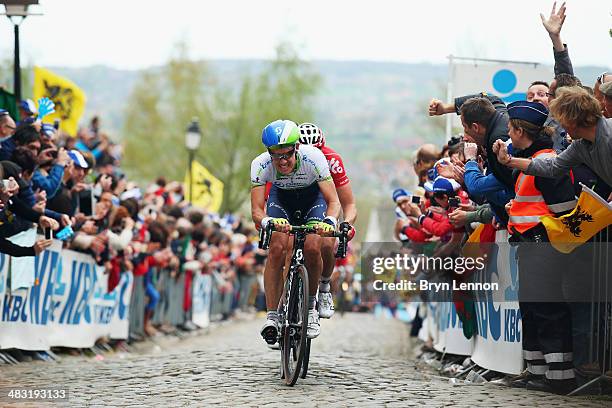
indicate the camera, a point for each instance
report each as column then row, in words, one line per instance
column 416, row 200
column 454, row 202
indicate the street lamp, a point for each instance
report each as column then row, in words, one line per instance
column 17, row 11
column 193, row 137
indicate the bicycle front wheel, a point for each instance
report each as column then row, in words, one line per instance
column 294, row 336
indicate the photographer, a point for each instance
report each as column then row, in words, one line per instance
column 436, row 221
column 67, row 199
column 50, row 172
column 405, row 209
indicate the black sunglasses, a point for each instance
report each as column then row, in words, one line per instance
column 281, row 156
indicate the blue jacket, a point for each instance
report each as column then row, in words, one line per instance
column 49, row 183
column 27, row 196
column 7, row 147
column 487, row 186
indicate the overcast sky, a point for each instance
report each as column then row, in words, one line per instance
column 140, row 33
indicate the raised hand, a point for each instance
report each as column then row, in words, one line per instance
column 553, row 25
column 41, row 245
column 470, row 150
column 436, row 108
column 554, row 22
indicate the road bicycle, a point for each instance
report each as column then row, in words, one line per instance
column 293, row 306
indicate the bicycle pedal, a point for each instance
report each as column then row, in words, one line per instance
column 270, row 335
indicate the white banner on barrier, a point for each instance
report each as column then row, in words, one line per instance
column 4, row 262
column 202, row 293
column 498, row 346
column 450, row 331
column 22, row 268
column 67, row 306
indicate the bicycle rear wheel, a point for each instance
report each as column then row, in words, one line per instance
column 294, row 334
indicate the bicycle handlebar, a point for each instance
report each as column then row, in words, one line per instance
column 266, row 233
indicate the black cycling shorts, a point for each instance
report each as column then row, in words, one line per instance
column 297, row 206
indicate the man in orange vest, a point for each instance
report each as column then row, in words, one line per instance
column 546, row 318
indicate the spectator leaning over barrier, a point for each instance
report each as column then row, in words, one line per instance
column 25, row 135
column 448, row 196
column 580, row 114
column 479, row 185
column 50, row 172
column 68, row 198
column 404, row 230
column 27, row 162
column 485, row 121
column 11, row 206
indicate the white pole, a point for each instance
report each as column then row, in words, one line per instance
column 449, row 96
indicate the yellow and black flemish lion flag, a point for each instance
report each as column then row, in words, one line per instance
column 591, row 215
column 68, row 98
column 207, row 189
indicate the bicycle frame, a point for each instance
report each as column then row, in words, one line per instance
column 293, row 305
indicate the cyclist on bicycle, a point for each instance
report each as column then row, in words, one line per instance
column 302, row 192
column 311, row 134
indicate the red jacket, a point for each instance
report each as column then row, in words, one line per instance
column 437, row 224
column 415, row 235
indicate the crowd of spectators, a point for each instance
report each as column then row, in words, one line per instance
column 512, row 165
column 75, row 187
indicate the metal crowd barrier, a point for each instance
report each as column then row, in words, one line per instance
column 221, row 303
column 137, row 307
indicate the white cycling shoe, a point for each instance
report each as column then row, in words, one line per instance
column 314, row 327
column 326, row 305
column 269, row 331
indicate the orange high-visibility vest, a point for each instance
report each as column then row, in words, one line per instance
column 528, row 204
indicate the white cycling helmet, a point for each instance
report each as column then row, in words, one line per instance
column 311, row 134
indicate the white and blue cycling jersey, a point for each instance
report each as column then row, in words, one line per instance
column 311, row 167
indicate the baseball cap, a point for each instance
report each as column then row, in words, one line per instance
column 78, row 159
column 399, row 193
column 444, row 185
column 28, row 106
column 48, row 130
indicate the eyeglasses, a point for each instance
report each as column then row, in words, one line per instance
column 601, row 77
column 541, row 94
column 281, row 156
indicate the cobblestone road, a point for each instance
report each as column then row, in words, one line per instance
column 357, row 361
